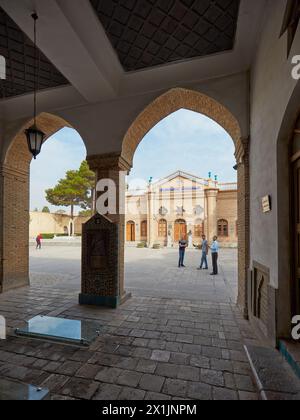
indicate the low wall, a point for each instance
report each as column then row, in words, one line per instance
column 57, row 224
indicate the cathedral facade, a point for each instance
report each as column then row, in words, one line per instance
column 182, row 206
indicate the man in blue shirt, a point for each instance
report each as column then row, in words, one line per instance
column 215, row 255
column 204, row 248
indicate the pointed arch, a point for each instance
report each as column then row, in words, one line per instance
column 18, row 156
column 170, row 102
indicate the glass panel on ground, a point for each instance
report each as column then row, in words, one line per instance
column 62, row 330
column 12, row 391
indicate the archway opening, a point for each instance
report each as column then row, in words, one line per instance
column 191, row 199
column 45, row 198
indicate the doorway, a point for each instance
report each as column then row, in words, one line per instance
column 130, row 235
column 180, row 230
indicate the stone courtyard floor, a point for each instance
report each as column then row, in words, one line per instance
column 179, row 337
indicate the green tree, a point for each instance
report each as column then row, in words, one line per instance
column 86, row 213
column 73, row 190
column 46, row 210
column 89, row 180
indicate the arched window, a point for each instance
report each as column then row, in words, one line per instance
column 162, row 228
column 144, row 229
column 223, row 230
column 199, row 228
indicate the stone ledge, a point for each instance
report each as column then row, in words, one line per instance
column 274, row 377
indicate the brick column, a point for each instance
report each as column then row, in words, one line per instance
column 211, row 199
column 242, row 157
column 114, row 167
column 14, row 228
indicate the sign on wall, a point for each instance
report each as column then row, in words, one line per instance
column 266, row 204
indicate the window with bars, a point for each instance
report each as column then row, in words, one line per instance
column 223, row 229
column 199, row 229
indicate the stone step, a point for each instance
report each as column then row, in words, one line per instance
column 274, row 377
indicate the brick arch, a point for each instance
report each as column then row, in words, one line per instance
column 170, row 102
column 179, row 98
column 14, row 203
column 18, row 156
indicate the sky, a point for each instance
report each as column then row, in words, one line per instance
column 185, row 141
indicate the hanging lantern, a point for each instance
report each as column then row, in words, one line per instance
column 35, row 137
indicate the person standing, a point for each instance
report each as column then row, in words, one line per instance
column 215, row 255
column 182, row 247
column 204, row 248
column 39, row 241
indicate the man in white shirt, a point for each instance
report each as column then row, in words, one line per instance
column 215, row 255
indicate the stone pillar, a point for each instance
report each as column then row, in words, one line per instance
column 115, row 168
column 150, row 210
column 211, row 199
column 14, row 223
column 242, row 157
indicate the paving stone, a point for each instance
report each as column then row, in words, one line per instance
column 248, row 396
column 182, row 338
column 222, row 365
column 188, row 373
column 157, row 345
column 152, row 335
column 55, row 382
column 180, row 358
column 88, row 371
column 129, row 378
column 153, row 396
column 138, row 333
column 244, row 383
column 69, row 368
column 174, row 347
column 200, row 362
column 81, row 356
column 199, row 391
column 161, row 356
column 131, row 394
column 146, row 366
column 126, row 363
column 212, row 377
column 141, row 352
column 229, row 381
column 166, row 369
column 108, row 392
column 213, row 352
column 238, row 356
column 80, row 388
column 140, row 342
column 202, row 341
column 192, row 349
column 224, row 394
column 152, row 383
column 175, row 388
column 108, row 375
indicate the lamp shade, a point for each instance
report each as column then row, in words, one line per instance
column 35, row 139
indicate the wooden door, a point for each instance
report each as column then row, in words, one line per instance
column 296, row 237
column 130, row 232
column 180, row 230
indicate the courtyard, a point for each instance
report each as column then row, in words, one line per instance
column 179, row 337
column 148, row 273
